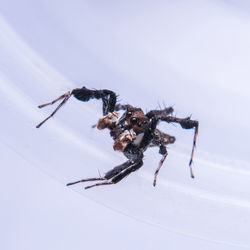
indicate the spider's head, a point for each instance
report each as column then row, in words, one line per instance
column 135, row 118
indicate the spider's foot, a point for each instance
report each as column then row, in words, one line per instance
column 154, row 182
column 191, row 170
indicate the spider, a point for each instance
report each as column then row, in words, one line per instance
column 132, row 133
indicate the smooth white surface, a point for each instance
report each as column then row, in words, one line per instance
column 193, row 55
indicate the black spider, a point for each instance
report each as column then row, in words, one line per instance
column 133, row 132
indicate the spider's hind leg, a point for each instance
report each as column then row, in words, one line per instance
column 135, row 166
column 109, row 175
column 116, row 170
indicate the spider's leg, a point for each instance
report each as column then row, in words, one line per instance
column 158, row 169
column 108, row 97
column 84, row 180
column 116, row 170
column 100, row 184
column 185, row 123
column 160, row 113
column 113, row 172
column 127, row 171
column 54, row 101
column 149, row 133
column 137, row 164
column 66, row 96
column 122, row 107
column 161, row 138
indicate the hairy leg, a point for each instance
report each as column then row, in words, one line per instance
column 108, row 97
column 159, row 167
column 122, row 107
column 185, row 123
column 110, row 174
column 127, row 171
column 161, row 138
column 119, row 176
column 160, row 113
column 83, row 94
column 116, row 170
column 85, row 180
column 65, row 98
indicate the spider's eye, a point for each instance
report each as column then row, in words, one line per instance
column 144, row 122
column 133, row 120
column 129, row 113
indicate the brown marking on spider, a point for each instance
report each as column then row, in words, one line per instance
column 107, row 120
column 123, row 140
column 132, row 133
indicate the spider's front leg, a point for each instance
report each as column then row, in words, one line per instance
column 83, row 94
column 108, row 97
column 65, row 98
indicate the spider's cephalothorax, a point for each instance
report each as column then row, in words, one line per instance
column 133, row 132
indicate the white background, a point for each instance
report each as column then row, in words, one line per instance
column 194, row 55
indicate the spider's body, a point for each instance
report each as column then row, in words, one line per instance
column 132, row 129
column 132, row 133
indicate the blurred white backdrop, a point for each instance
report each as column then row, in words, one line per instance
column 194, row 55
